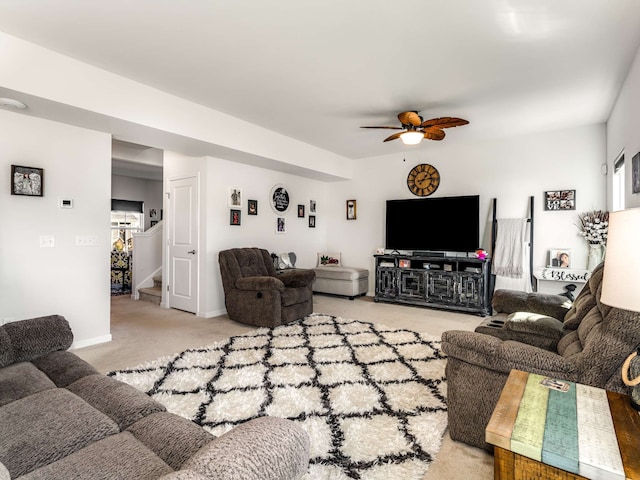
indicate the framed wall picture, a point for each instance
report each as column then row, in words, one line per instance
column 235, row 197
column 351, row 209
column 281, row 226
column 312, row 206
column 560, row 258
column 300, row 211
column 235, row 217
column 280, row 199
column 560, row 200
column 635, row 173
column 252, row 207
column 312, row 221
column 28, row 181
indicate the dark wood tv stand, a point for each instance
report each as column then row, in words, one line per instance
column 452, row 283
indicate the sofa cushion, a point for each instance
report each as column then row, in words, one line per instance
column 534, row 323
column 118, row 457
column 570, row 344
column 21, row 380
column 293, row 296
column 174, row 439
column 26, row 340
column 297, row 278
column 120, row 401
column 49, row 425
column 64, row 368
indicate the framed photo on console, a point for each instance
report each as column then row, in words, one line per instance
column 560, row 258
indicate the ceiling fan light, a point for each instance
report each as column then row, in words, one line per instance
column 412, row 137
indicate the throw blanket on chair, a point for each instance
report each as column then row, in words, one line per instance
column 508, row 254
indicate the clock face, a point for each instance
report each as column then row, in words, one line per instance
column 423, row 180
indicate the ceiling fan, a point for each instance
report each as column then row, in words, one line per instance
column 415, row 128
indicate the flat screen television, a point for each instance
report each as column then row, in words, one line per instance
column 443, row 224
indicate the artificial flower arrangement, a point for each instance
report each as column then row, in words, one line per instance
column 481, row 254
column 594, row 226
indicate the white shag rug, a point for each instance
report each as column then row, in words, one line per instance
column 371, row 398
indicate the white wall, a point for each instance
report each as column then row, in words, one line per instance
column 216, row 176
column 139, row 190
column 623, row 130
column 67, row 280
column 511, row 170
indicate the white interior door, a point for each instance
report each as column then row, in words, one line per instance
column 183, row 244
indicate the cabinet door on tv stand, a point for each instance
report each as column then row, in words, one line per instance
column 411, row 283
column 386, row 282
column 441, row 287
column 470, row 290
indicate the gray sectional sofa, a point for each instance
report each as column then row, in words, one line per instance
column 60, row 418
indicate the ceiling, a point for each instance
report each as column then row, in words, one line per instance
column 317, row 71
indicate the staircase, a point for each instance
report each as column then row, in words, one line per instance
column 152, row 294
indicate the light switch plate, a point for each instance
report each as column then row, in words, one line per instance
column 47, row 241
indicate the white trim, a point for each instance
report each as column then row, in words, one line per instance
column 91, row 341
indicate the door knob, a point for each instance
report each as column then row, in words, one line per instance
column 192, row 252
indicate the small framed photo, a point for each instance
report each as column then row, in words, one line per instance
column 234, row 217
column 153, row 213
column 560, row 200
column 252, row 207
column 281, row 225
column 351, row 209
column 154, row 223
column 560, row 258
column 28, row 181
column 312, row 206
column 312, row 221
column 235, row 197
column 300, row 211
column 635, row 173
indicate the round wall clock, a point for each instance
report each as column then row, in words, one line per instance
column 280, row 199
column 423, row 180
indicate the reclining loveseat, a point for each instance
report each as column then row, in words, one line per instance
column 585, row 342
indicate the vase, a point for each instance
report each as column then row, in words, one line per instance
column 596, row 256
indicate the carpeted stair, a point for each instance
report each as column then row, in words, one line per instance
column 152, row 294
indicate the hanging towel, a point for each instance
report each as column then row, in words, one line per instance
column 510, row 238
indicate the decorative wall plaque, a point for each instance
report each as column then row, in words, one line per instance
column 280, row 199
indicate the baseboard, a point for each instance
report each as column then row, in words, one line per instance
column 91, row 341
column 215, row 313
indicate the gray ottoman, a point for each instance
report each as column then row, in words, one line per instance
column 346, row 281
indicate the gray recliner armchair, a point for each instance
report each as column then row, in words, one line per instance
column 255, row 294
column 587, row 345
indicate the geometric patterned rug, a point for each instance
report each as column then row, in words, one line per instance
column 371, row 398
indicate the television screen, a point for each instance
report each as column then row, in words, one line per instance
column 444, row 224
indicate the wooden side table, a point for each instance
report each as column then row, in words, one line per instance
column 562, row 431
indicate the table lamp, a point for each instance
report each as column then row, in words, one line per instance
column 620, row 281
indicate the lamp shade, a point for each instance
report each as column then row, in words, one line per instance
column 621, row 280
column 412, row 137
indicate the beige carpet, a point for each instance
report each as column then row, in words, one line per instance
column 142, row 332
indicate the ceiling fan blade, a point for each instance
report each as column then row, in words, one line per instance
column 444, row 122
column 392, row 128
column 410, row 118
column 393, row 137
column 434, row 134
